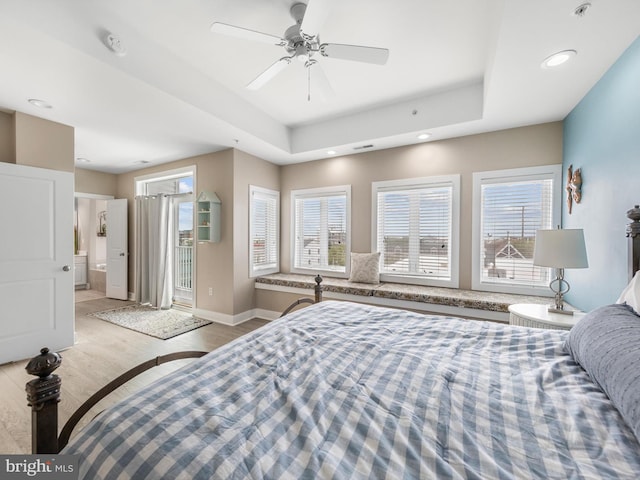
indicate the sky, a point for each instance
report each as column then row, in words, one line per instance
column 185, row 212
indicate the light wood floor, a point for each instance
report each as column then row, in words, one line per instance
column 102, row 352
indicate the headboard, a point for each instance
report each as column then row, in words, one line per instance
column 633, row 233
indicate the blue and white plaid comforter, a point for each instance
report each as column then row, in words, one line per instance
column 339, row 390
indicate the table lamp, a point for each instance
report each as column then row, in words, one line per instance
column 560, row 249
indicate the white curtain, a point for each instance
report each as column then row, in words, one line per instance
column 154, row 250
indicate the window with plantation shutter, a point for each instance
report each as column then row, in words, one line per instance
column 509, row 206
column 264, row 231
column 416, row 230
column 321, row 229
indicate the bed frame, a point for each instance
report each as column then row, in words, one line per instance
column 43, row 393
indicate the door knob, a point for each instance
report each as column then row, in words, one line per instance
column 66, row 268
column 122, row 254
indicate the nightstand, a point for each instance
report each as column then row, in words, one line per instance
column 537, row 316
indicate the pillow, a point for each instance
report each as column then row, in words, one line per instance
column 631, row 294
column 365, row 267
column 606, row 343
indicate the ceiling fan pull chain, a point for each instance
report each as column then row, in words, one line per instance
column 309, row 83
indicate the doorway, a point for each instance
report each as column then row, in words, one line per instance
column 178, row 185
column 183, row 258
column 90, row 246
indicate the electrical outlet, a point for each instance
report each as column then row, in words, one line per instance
column 211, row 291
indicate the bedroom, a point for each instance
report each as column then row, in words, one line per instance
column 601, row 127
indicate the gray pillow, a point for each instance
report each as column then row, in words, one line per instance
column 606, row 343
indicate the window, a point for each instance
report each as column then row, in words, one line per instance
column 264, row 231
column 415, row 229
column 169, row 186
column 509, row 206
column 171, row 182
column 321, row 229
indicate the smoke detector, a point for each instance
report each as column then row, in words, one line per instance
column 113, row 43
column 581, row 10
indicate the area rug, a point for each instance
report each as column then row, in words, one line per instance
column 162, row 324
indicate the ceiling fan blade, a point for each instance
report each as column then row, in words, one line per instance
column 319, row 85
column 357, row 53
column 269, row 73
column 314, row 17
column 245, row 33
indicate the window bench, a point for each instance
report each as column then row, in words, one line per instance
column 444, row 301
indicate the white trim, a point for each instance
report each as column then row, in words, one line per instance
column 234, row 320
column 422, row 307
column 141, row 180
column 454, row 247
column 95, row 196
column 500, row 176
column 311, row 193
column 268, row 315
column 280, row 288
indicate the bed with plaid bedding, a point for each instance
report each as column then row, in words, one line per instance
column 348, row 391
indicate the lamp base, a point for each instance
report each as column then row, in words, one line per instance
column 553, row 309
column 559, row 286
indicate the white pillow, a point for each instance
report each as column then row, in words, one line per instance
column 631, row 294
column 365, row 267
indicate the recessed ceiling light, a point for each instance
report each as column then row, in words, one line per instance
column 331, row 152
column 558, row 58
column 39, row 103
column 83, row 160
column 424, row 136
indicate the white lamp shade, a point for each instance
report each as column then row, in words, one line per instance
column 560, row 249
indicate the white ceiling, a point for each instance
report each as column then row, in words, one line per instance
column 455, row 68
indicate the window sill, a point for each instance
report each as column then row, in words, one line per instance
column 471, row 303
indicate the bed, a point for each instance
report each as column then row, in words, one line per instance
column 343, row 390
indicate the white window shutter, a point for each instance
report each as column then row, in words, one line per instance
column 264, row 231
column 321, row 229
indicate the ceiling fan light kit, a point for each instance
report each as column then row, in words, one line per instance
column 302, row 41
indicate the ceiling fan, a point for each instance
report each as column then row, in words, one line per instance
column 302, row 42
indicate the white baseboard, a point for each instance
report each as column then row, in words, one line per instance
column 233, row 320
column 266, row 314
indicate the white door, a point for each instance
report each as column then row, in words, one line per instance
column 36, row 261
column 117, row 249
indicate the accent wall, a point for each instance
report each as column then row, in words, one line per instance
column 602, row 137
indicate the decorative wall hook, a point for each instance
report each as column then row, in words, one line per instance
column 574, row 186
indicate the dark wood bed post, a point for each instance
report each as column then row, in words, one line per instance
column 43, row 395
column 633, row 232
column 318, row 297
column 318, row 288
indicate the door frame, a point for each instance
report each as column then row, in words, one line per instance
column 88, row 196
column 139, row 183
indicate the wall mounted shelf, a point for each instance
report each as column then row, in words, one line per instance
column 208, row 217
